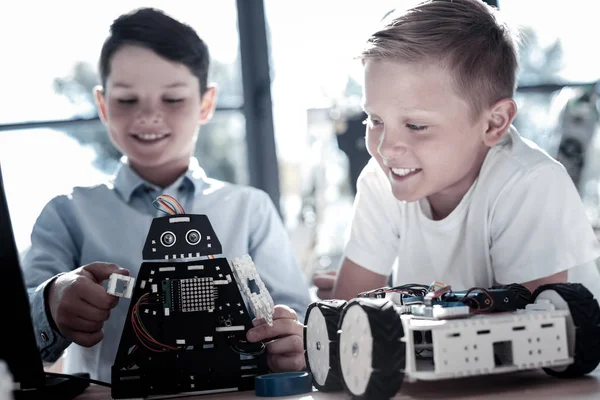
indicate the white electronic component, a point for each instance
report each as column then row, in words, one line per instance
column 438, row 312
column 487, row 344
column 128, row 283
column 258, row 296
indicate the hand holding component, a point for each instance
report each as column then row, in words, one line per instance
column 79, row 304
column 284, row 340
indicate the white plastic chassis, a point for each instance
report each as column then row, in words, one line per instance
column 489, row 344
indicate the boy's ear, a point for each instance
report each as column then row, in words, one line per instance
column 500, row 116
column 100, row 102
column 208, row 103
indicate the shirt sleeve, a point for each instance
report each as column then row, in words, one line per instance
column 53, row 251
column 272, row 253
column 372, row 236
column 539, row 227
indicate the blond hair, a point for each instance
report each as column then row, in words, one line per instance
column 465, row 36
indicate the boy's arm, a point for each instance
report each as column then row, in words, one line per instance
column 373, row 238
column 353, row 279
column 53, row 251
column 560, row 277
column 539, row 229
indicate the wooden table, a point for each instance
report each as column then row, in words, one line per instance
column 523, row 385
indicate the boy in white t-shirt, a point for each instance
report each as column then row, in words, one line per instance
column 452, row 192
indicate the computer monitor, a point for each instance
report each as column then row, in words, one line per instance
column 18, row 347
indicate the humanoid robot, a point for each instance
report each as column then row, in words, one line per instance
column 185, row 332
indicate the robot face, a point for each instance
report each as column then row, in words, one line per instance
column 181, row 236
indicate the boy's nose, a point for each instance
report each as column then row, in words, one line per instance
column 390, row 148
column 149, row 118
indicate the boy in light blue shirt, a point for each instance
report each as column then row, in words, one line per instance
column 154, row 96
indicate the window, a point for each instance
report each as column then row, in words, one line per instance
column 53, row 63
column 50, row 77
column 556, row 46
column 316, row 96
column 558, row 99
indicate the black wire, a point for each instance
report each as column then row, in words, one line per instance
column 81, row 378
column 420, row 357
column 415, row 287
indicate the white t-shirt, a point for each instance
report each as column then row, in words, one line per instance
column 521, row 220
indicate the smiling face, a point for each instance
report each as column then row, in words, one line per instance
column 152, row 109
column 421, row 132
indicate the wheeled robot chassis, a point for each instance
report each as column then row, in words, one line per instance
column 368, row 345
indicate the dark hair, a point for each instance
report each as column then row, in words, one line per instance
column 167, row 37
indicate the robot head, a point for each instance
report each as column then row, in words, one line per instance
column 181, row 236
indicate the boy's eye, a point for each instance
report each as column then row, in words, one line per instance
column 413, row 127
column 127, row 101
column 371, row 122
column 171, row 101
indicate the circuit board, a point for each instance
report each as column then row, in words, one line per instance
column 439, row 301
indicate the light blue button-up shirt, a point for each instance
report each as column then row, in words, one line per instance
column 109, row 223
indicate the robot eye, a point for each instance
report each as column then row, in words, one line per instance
column 168, row 239
column 193, row 237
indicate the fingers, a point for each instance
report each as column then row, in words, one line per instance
column 76, row 315
column 95, row 294
column 285, row 351
column 85, row 339
column 85, row 310
column 325, row 280
column 85, row 326
column 281, row 327
column 286, row 345
column 280, row 311
column 329, row 272
column 100, row 271
column 80, row 305
column 283, row 363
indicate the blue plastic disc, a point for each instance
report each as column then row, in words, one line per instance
column 283, row 384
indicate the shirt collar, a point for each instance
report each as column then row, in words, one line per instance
column 127, row 181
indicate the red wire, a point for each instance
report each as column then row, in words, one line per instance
column 137, row 327
column 479, row 309
column 167, row 206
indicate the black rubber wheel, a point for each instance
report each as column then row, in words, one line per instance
column 372, row 354
column 585, row 315
column 523, row 295
column 325, row 368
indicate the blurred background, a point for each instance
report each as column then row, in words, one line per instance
column 288, row 119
